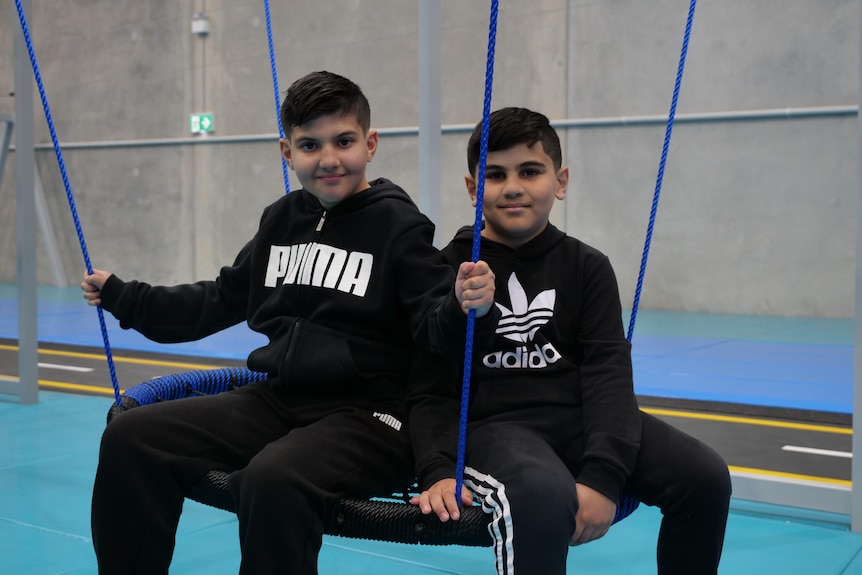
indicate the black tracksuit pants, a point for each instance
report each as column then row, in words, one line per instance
column 524, row 473
column 290, row 465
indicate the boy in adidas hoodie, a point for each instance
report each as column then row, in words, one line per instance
column 342, row 278
column 555, row 436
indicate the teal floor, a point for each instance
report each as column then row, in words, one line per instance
column 49, row 458
column 49, row 451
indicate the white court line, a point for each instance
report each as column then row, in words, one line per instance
column 814, row 451
column 65, row 367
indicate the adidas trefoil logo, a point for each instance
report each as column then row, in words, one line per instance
column 525, row 318
column 520, row 324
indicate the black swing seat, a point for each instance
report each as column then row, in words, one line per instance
column 388, row 518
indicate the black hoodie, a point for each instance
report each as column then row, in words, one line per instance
column 341, row 294
column 559, row 344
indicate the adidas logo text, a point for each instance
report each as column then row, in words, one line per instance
column 538, row 358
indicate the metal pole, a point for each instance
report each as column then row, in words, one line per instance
column 568, row 123
column 856, row 466
column 430, row 120
column 25, row 221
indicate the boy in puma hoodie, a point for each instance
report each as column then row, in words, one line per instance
column 342, row 278
column 555, row 436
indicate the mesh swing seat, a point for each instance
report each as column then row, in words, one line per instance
column 388, row 518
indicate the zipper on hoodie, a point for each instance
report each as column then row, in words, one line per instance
column 304, row 259
column 313, row 239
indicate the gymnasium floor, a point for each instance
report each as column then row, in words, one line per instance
column 800, row 366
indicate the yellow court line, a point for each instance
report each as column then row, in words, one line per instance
column 116, row 359
column 77, row 387
column 750, row 421
column 785, row 475
column 47, row 383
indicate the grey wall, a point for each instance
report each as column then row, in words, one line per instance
column 756, row 215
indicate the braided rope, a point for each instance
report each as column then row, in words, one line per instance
column 192, row 383
column 275, row 89
column 477, row 236
column 59, row 153
column 661, row 166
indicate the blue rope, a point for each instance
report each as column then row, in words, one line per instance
column 477, row 230
column 276, row 91
column 192, row 383
column 661, row 166
column 26, row 32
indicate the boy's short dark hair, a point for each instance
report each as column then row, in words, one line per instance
column 510, row 127
column 322, row 93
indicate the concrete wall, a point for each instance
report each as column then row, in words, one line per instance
column 756, row 216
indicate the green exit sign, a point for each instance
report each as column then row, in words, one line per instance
column 201, row 123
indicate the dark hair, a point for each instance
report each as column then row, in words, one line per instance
column 510, row 127
column 320, row 94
